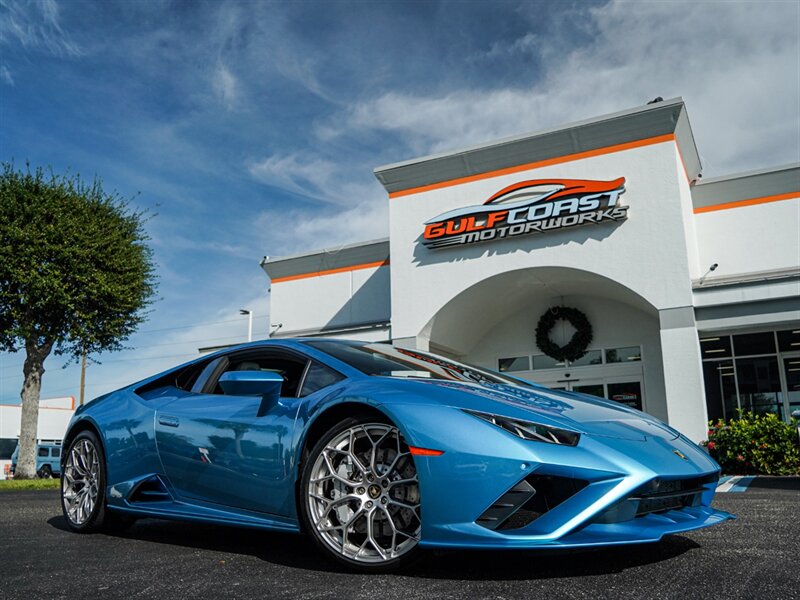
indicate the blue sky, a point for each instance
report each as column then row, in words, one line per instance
column 252, row 128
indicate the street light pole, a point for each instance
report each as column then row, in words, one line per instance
column 249, row 314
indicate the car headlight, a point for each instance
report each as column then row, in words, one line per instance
column 527, row 430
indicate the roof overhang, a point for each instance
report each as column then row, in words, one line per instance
column 752, row 187
column 652, row 121
column 374, row 253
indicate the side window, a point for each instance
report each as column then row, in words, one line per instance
column 288, row 367
column 44, row 452
column 55, row 452
column 318, row 377
column 200, row 382
column 186, row 379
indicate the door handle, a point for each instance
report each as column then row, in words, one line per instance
column 168, row 420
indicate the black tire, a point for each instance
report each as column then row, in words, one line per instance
column 45, row 472
column 99, row 517
column 408, row 557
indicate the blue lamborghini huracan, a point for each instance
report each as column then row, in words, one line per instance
column 377, row 452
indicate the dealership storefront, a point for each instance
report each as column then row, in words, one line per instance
column 686, row 291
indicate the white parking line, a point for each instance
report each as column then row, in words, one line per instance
column 734, row 484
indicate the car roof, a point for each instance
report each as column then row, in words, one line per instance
column 298, row 344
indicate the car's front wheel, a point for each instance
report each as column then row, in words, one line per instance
column 83, row 482
column 361, row 499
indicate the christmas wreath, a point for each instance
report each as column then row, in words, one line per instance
column 576, row 347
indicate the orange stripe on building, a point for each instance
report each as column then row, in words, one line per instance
column 750, row 202
column 669, row 137
column 380, row 263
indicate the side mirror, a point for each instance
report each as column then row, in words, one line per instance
column 252, row 383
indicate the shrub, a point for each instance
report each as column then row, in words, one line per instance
column 755, row 444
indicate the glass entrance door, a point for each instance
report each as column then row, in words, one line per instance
column 791, row 373
column 625, row 390
column 593, row 389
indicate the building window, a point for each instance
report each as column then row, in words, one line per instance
column 791, row 367
column 621, row 355
column 751, row 373
column 592, row 357
column 754, row 343
column 514, row 363
column 542, row 361
column 760, row 385
column 716, row 347
column 7, row 446
column 720, row 384
column 789, row 340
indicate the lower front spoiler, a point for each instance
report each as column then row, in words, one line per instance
column 641, row 530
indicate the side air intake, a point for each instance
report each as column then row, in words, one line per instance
column 506, row 505
column 150, row 490
column 528, row 500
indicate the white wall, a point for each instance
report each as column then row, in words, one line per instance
column 749, row 239
column 332, row 300
column 648, row 253
column 53, row 420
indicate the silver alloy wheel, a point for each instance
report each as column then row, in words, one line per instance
column 79, row 485
column 363, row 494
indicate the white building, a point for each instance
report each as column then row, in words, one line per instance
column 691, row 286
column 54, row 416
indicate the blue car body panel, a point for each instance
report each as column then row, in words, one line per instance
column 235, row 459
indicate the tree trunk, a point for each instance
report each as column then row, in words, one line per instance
column 33, row 369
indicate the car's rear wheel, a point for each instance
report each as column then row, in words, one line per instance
column 45, row 472
column 361, row 500
column 83, row 483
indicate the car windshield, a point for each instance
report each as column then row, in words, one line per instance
column 387, row 361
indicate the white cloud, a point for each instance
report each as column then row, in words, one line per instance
column 226, row 86
column 300, row 70
column 5, row 75
column 35, row 24
column 736, row 65
column 177, row 242
column 300, row 230
column 354, row 205
column 527, row 44
column 314, row 176
column 307, row 176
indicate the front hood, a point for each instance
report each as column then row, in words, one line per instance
column 570, row 410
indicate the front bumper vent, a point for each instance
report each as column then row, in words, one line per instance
column 528, row 500
column 506, row 505
column 657, row 496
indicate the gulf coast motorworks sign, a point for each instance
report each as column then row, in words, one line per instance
column 528, row 207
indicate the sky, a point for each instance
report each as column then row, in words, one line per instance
column 251, row 129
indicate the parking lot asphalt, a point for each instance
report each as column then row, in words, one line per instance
column 756, row 556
